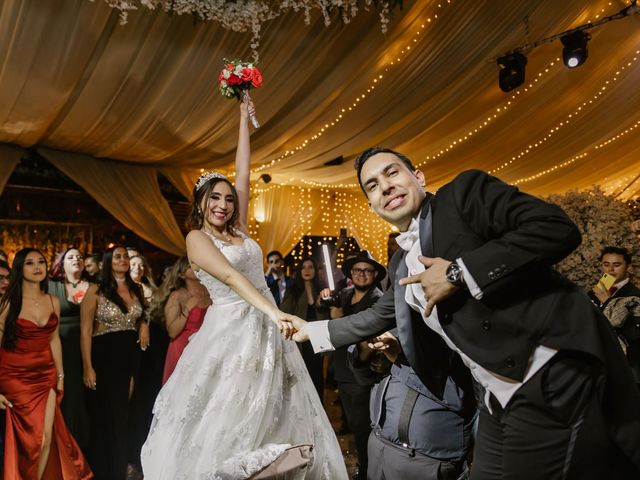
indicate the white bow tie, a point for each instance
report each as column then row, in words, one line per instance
column 407, row 239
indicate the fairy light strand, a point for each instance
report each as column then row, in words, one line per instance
column 358, row 100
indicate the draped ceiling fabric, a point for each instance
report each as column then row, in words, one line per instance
column 129, row 192
column 9, row 158
column 73, row 79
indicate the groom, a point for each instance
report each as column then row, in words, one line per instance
column 474, row 276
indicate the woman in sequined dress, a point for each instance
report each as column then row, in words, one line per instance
column 111, row 333
column 240, row 394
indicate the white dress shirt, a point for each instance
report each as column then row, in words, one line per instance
column 501, row 387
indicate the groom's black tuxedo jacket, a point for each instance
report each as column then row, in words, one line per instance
column 509, row 241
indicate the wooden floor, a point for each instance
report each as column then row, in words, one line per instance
column 347, row 442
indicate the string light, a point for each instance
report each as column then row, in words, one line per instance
column 601, row 145
column 357, row 100
column 499, row 111
column 338, row 209
column 549, row 170
column 618, row 136
column 569, row 118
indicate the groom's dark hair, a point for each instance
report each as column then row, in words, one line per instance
column 370, row 152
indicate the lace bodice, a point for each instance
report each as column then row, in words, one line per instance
column 246, row 258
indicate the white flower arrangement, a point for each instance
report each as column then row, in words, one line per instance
column 249, row 15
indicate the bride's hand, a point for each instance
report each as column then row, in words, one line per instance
column 246, row 107
column 283, row 322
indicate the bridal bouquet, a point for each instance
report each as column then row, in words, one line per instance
column 237, row 78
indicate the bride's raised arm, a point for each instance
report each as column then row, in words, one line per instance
column 243, row 159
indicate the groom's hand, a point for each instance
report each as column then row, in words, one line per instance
column 300, row 329
column 433, row 281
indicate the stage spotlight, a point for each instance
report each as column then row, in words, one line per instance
column 511, row 73
column 575, row 51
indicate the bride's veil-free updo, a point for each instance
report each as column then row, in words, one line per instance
column 202, row 189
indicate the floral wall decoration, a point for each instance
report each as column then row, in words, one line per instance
column 249, row 15
column 603, row 221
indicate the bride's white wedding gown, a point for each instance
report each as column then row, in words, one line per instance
column 240, row 393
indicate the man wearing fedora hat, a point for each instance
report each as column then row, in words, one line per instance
column 365, row 273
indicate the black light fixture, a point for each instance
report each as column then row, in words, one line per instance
column 265, row 177
column 511, row 73
column 575, row 51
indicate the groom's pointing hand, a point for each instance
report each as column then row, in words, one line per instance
column 433, row 281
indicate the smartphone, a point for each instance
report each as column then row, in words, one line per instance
column 607, row 280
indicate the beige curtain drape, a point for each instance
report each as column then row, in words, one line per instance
column 182, row 178
column 280, row 216
column 9, row 157
column 73, row 79
column 129, row 192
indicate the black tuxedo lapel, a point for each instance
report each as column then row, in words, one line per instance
column 426, row 239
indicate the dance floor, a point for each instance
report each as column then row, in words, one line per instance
column 347, row 442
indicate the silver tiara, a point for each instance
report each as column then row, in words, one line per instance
column 205, row 177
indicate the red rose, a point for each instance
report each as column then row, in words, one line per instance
column 234, row 79
column 230, row 66
column 220, row 77
column 256, row 79
column 247, row 74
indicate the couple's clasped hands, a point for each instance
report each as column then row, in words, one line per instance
column 291, row 327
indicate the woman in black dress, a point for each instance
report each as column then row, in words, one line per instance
column 112, row 332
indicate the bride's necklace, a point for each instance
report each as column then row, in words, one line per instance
column 224, row 235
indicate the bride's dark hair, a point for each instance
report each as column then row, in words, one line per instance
column 195, row 219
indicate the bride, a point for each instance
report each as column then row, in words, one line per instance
column 240, row 394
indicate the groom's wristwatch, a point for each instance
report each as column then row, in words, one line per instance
column 454, row 275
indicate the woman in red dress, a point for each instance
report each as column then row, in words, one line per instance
column 182, row 301
column 37, row 442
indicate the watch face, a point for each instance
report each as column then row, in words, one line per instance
column 454, row 274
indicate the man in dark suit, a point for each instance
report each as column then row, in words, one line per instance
column 276, row 279
column 616, row 261
column 556, row 397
